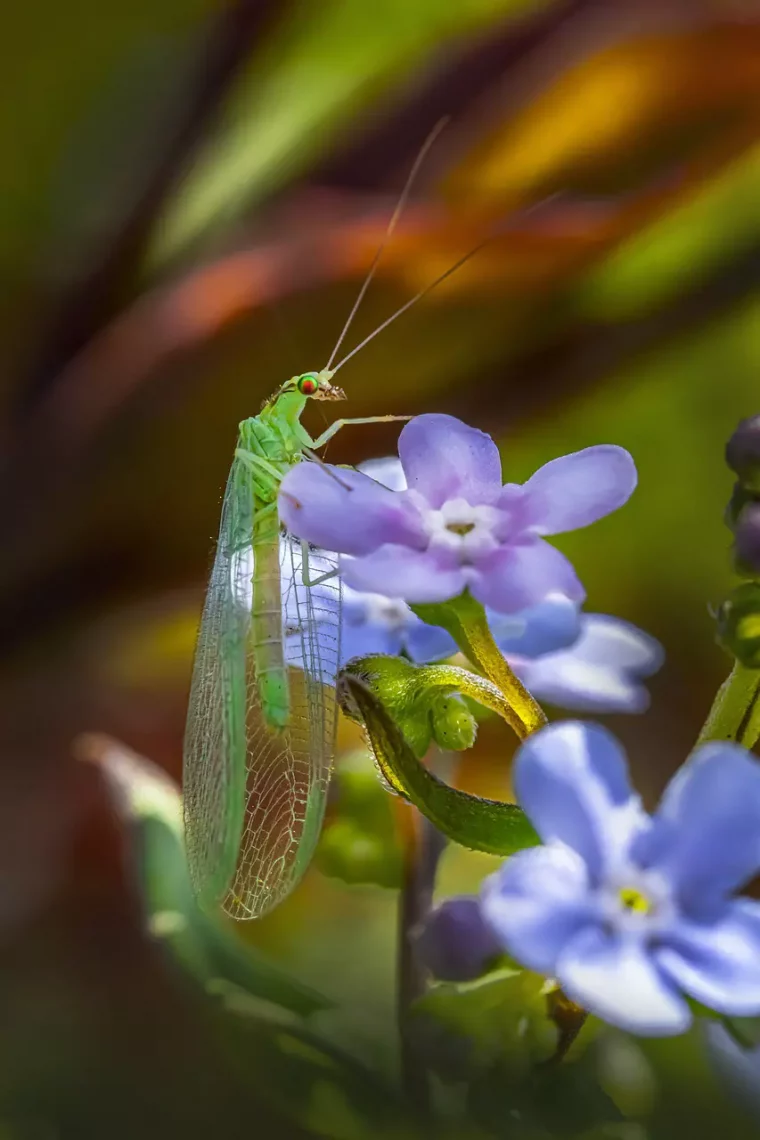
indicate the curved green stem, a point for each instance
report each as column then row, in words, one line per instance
column 481, row 824
column 466, row 621
column 735, row 713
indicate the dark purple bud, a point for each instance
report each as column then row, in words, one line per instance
column 743, row 452
column 740, row 497
column 747, row 540
column 455, row 944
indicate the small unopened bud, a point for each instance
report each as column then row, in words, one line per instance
column 356, row 856
column 740, row 498
column 747, row 541
column 454, row 726
column 743, row 452
column 455, row 944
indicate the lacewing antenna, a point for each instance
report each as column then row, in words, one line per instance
column 417, row 297
column 429, row 288
column 391, row 227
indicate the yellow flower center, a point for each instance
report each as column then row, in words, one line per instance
column 460, row 528
column 633, row 899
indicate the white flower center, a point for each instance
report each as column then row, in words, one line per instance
column 461, row 528
column 636, row 902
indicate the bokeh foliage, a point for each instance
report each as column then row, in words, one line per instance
column 193, row 191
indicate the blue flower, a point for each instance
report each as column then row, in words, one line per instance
column 630, row 912
column 376, row 624
column 456, row 526
column 585, row 662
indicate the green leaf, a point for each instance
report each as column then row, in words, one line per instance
column 309, row 82
column 480, row 824
column 689, row 1100
column 496, row 1035
column 317, row 1083
column 500, row 1014
column 204, row 946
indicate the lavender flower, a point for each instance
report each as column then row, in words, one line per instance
column 630, row 912
column 585, row 662
column 456, row 527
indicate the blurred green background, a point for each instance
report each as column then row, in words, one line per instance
column 192, row 192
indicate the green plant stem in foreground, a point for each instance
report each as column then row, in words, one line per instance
column 423, row 847
column 735, row 712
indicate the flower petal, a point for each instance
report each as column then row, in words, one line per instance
column 428, row 642
column 600, row 672
column 544, row 628
column 537, row 902
column 718, row 962
column 618, row 980
column 577, row 489
column 607, row 640
column 566, row 680
column 346, row 511
column 706, row 833
column 572, row 781
column 398, row 572
column 367, row 638
column 444, row 459
column 387, row 471
column 515, row 578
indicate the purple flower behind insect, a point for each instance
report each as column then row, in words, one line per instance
column 372, row 623
column 585, row 662
column 630, row 912
column 456, row 526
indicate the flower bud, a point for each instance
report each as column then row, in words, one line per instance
column 354, row 855
column 454, row 726
column 740, row 498
column 455, row 944
column 743, row 452
column 739, row 624
column 747, row 541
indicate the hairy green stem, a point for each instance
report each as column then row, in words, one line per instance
column 466, row 621
column 480, row 824
column 735, row 712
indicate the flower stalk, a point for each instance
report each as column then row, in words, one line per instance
column 423, row 846
column 466, row 621
column 735, row 712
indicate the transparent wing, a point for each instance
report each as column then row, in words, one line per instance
column 215, row 734
column 288, row 771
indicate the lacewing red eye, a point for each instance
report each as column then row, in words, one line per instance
column 307, row 385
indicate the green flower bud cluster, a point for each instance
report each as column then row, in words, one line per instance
column 422, row 701
column 739, row 624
